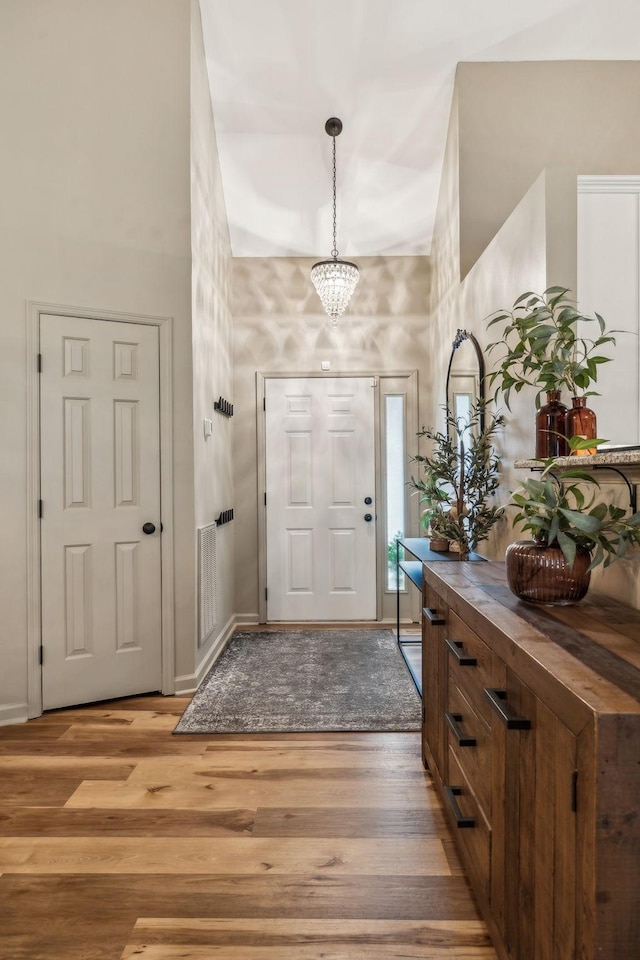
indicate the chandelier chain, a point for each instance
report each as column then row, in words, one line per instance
column 334, row 279
column 334, row 252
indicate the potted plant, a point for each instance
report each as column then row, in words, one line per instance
column 542, row 347
column 573, row 532
column 460, row 476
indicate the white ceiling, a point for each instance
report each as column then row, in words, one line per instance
column 279, row 68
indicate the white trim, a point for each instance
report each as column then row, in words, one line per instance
column 14, row 713
column 608, row 184
column 247, row 619
column 261, row 444
column 34, row 633
column 166, row 505
column 165, row 335
column 189, row 683
column 409, row 598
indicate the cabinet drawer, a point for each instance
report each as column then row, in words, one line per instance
column 471, row 666
column 470, row 742
column 474, row 840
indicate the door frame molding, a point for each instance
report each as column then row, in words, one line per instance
column 35, row 310
column 261, row 377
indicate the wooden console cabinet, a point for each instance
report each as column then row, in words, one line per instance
column 532, row 735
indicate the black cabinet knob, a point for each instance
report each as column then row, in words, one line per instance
column 148, row 527
column 368, row 517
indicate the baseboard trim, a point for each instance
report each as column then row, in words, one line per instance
column 189, row 683
column 216, row 649
column 13, row 713
column 246, row 619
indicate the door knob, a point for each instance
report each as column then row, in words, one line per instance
column 368, row 517
column 148, row 527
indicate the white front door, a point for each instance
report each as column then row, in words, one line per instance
column 320, row 473
column 100, row 483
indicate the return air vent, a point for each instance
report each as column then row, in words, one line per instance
column 207, row 583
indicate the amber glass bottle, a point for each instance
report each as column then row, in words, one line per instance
column 581, row 422
column 551, row 428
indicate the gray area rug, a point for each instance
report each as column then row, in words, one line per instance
column 306, row 681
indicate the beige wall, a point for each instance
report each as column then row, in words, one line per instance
column 280, row 326
column 517, row 118
column 211, row 333
column 94, row 173
column 534, row 248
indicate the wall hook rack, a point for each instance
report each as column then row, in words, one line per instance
column 224, row 517
column 223, row 406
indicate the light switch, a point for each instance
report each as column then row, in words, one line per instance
column 325, row 365
column 208, row 428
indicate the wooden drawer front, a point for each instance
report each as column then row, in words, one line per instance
column 474, row 840
column 434, row 688
column 470, row 742
column 470, row 665
column 434, row 612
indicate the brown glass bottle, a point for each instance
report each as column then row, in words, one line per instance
column 551, row 428
column 581, row 422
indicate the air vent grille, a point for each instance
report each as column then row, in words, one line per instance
column 207, row 582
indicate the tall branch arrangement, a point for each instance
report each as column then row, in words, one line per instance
column 460, row 476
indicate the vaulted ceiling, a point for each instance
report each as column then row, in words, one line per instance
column 279, row 68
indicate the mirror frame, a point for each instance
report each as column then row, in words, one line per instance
column 459, row 339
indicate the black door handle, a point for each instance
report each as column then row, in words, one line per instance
column 148, row 527
column 368, row 501
column 368, row 517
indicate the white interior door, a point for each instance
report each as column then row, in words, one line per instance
column 100, row 483
column 320, row 472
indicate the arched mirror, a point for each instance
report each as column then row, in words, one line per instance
column 465, row 376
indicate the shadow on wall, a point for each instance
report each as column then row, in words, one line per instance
column 390, row 286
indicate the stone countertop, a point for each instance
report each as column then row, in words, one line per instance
column 608, row 458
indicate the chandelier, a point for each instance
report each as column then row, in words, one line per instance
column 335, row 279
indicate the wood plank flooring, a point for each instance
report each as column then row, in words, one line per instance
column 119, row 841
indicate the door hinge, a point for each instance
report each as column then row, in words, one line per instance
column 266, row 593
column 574, row 791
column 264, row 403
column 41, row 655
column 424, row 713
column 39, row 363
column 265, row 499
column 40, row 510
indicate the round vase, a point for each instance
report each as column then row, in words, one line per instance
column 438, row 544
column 551, row 428
column 581, row 422
column 539, row 573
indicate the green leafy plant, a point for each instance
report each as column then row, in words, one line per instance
column 542, row 348
column 392, row 550
column 459, row 478
column 555, row 508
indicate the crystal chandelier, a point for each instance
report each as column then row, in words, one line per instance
column 335, row 280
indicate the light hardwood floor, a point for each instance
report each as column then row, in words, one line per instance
column 119, row 840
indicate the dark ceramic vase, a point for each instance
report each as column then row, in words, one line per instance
column 539, row 573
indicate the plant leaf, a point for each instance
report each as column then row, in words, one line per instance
column 568, row 547
column 583, row 521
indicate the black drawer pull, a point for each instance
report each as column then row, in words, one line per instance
column 435, row 619
column 454, row 720
column 455, row 647
column 497, row 700
column 461, row 821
